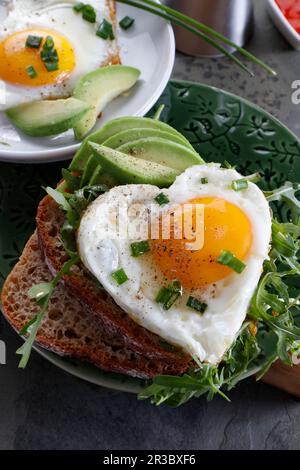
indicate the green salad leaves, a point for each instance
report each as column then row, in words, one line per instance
column 269, row 333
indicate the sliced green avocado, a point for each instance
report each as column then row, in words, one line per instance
column 131, row 135
column 96, row 177
column 48, row 117
column 127, row 169
column 89, row 170
column 100, row 87
column 162, row 151
column 114, row 127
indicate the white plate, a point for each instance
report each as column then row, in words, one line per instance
column 149, row 45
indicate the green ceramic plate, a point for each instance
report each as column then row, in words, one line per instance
column 220, row 125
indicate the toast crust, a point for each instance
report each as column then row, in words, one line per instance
column 67, row 328
column 97, row 301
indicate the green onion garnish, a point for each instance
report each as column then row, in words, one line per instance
column 105, row 30
column 49, row 43
column 88, row 11
column 196, row 304
column 49, row 55
column 79, row 7
column 162, row 199
column 126, row 22
column 204, row 180
column 51, row 66
column 32, row 73
column 227, row 258
column 255, row 178
column 167, row 296
column 34, row 41
column 239, row 185
column 139, row 248
column 119, row 276
column 228, row 165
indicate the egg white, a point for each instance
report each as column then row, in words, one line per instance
column 207, row 336
column 90, row 51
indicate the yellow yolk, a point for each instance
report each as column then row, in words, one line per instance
column 226, row 227
column 15, row 58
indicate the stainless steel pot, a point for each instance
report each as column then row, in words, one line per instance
column 233, row 18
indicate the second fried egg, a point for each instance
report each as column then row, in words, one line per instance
column 79, row 49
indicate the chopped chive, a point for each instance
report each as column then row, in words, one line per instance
column 105, row 30
column 79, row 7
column 32, row 73
column 196, row 304
column 167, row 296
column 228, row 165
column 33, row 41
column 89, row 14
column 120, row 277
column 255, row 178
column 49, row 56
column 204, row 180
column 139, row 248
column 126, row 22
column 239, row 185
column 162, row 199
column 49, row 43
column 227, row 258
column 163, row 295
column 51, row 66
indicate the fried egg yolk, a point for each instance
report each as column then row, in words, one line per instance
column 226, row 227
column 16, row 57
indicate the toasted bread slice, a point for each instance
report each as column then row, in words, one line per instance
column 67, row 328
column 84, row 287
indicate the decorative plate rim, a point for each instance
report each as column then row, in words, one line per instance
column 240, row 98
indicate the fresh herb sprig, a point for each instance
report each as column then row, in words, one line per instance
column 201, row 30
column 73, row 200
column 271, row 332
column 42, row 293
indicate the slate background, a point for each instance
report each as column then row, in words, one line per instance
column 44, row 408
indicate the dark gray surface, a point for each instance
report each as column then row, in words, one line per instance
column 44, row 408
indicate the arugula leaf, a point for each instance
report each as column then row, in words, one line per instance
column 274, row 329
column 287, row 194
column 175, row 391
column 41, row 291
column 59, row 198
column 72, row 181
column 72, row 204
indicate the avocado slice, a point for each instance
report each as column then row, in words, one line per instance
column 114, row 127
column 127, row 169
column 162, row 151
column 130, row 135
column 100, row 87
column 89, row 170
column 48, row 117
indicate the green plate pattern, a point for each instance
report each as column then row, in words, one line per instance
column 221, row 126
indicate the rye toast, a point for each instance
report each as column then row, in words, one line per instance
column 67, row 328
column 97, row 301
